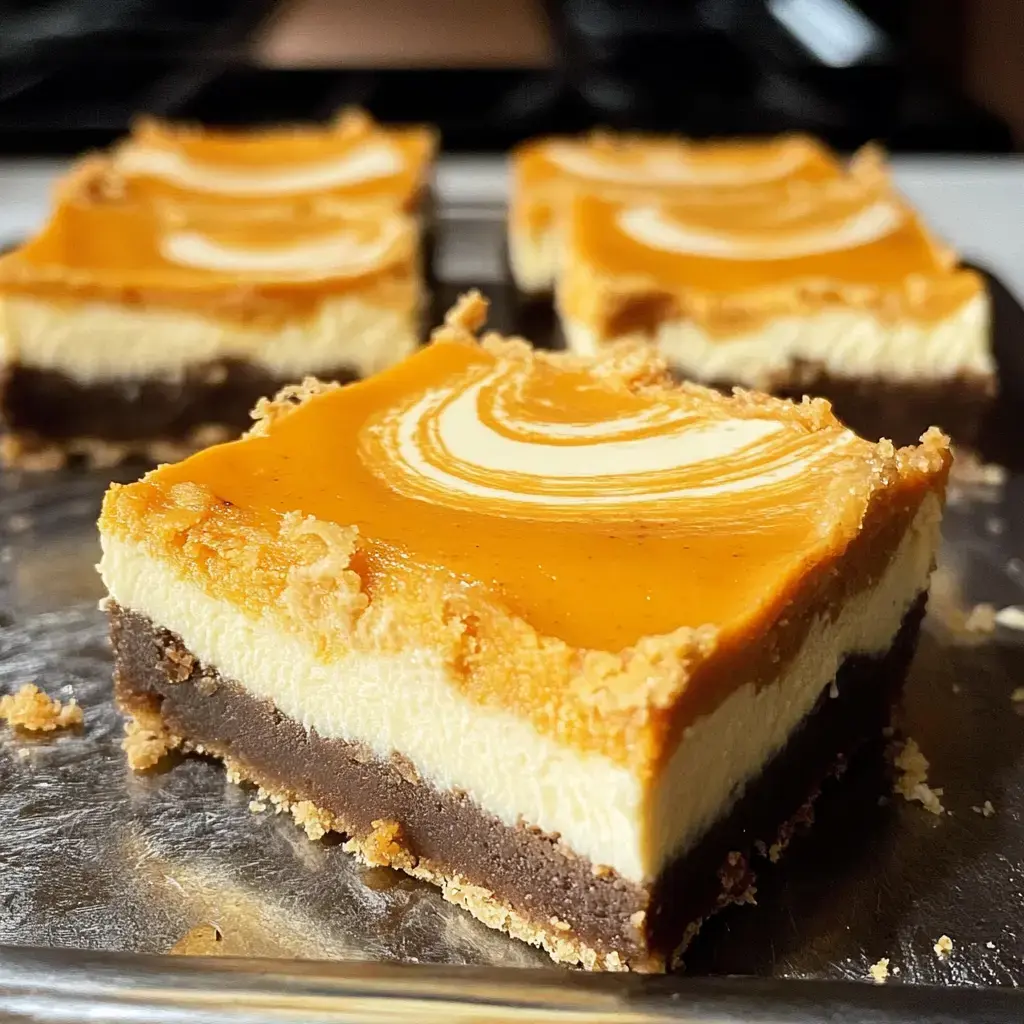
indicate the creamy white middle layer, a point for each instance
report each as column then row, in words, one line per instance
column 534, row 260
column 407, row 703
column 100, row 341
column 843, row 342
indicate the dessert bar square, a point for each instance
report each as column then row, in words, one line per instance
column 548, row 173
column 560, row 636
column 131, row 328
column 834, row 288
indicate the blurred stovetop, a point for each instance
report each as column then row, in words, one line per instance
column 74, row 72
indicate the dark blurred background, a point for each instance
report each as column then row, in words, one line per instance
column 920, row 75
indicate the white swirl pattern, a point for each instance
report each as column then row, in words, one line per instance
column 365, row 163
column 459, row 446
column 340, row 252
column 652, row 227
column 673, row 168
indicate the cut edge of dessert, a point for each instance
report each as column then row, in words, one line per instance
column 637, row 831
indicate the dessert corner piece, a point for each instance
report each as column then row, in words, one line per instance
column 130, row 329
column 833, row 287
column 559, row 636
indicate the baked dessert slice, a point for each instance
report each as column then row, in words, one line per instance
column 133, row 329
column 561, row 637
column 548, row 173
column 353, row 161
column 833, row 288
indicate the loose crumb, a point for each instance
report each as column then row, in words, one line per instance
column 943, row 947
column 257, row 806
column 1018, row 695
column 203, row 940
column 990, row 945
column 986, row 810
column 33, row 711
column 1011, row 617
column 880, row 971
column 981, row 619
column 912, row 782
column 956, row 687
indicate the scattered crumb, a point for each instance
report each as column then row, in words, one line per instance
column 1018, row 695
column 967, row 626
column 1011, row 617
column 990, row 945
column 896, row 970
column 995, row 525
column 986, row 810
column 203, row 940
column 775, row 852
column 956, row 687
column 257, row 806
column 880, row 971
column 981, row 619
column 559, row 925
column 944, row 946
column 30, row 709
column 912, row 782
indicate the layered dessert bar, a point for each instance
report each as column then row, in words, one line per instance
column 562, row 637
column 834, row 288
column 133, row 329
column 352, row 161
column 548, row 173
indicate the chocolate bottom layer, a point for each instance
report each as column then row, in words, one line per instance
column 49, row 407
column 539, row 879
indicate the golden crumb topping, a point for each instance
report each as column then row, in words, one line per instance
column 32, row 710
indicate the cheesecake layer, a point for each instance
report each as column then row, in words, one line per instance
column 612, row 814
column 836, row 343
column 97, row 342
column 510, row 876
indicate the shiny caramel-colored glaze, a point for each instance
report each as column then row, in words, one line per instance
column 275, row 151
column 122, row 251
column 595, row 578
column 542, row 185
column 903, row 273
